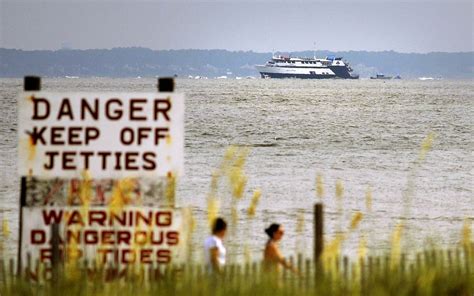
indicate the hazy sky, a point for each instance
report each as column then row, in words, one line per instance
column 414, row 26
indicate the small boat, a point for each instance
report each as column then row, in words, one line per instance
column 381, row 76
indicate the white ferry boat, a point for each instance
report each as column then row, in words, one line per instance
column 310, row 68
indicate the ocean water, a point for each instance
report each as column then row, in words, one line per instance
column 361, row 132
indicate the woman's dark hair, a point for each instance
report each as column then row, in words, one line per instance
column 272, row 229
column 219, row 225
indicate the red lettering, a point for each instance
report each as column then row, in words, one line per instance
column 37, row 237
column 149, row 163
column 156, row 240
column 91, row 237
column 128, row 260
column 56, row 135
column 163, row 218
column 163, row 107
column 75, row 218
column 98, row 217
column 52, row 216
column 108, row 237
column 141, row 237
column 65, row 109
column 45, row 255
column 36, row 112
column 92, row 133
column 136, row 105
column 145, row 255
column 163, row 256
column 123, row 237
column 172, row 238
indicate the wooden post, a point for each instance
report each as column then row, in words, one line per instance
column 30, row 83
column 22, row 204
column 166, row 84
column 318, row 232
column 56, row 256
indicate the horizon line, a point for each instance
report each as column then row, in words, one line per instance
column 234, row 50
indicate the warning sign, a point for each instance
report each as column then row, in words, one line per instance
column 111, row 135
column 106, row 235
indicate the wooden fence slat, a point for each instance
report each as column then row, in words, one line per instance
column 450, row 259
column 363, row 273
column 345, row 268
column 318, row 231
column 307, row 273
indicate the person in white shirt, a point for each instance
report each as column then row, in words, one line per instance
column 214, row 250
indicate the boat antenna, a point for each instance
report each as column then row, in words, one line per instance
column 314, row 50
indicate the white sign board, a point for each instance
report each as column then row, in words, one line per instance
column 111, row 135
column 133, row 235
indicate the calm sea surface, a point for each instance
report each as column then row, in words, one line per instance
column 362, row 132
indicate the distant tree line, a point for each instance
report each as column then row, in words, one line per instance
column 135, row 61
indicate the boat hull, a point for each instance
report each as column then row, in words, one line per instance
column 293, row 75
column 330, row 72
